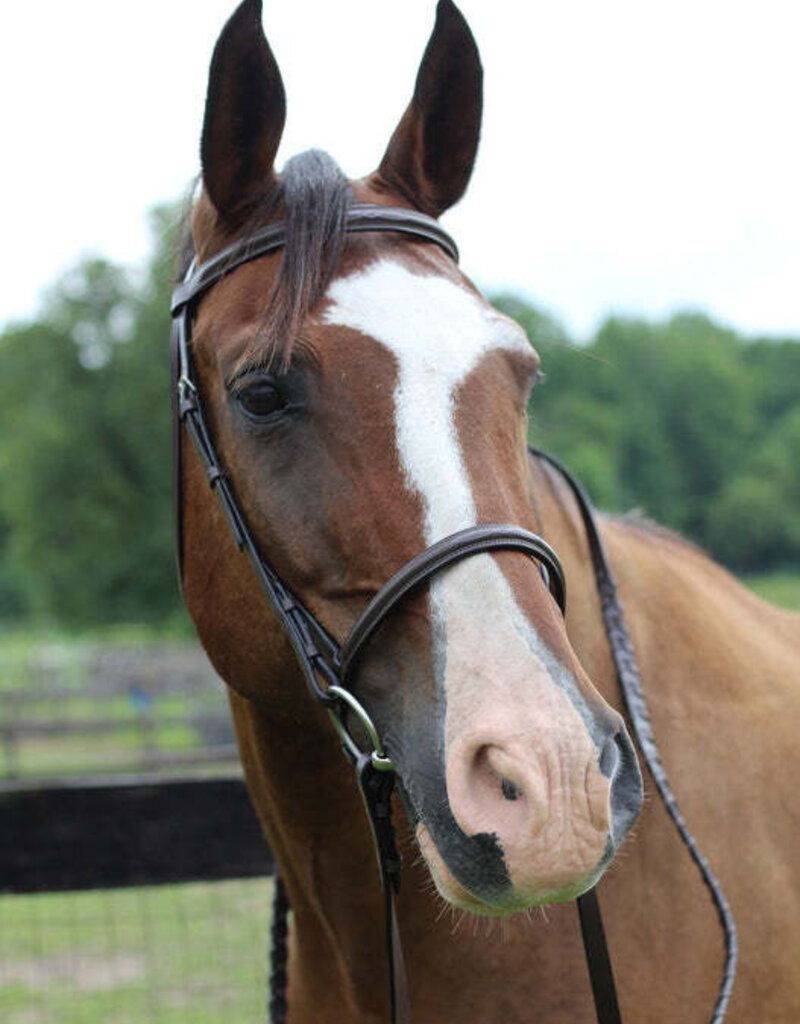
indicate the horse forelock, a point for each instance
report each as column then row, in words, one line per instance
column 312, row 197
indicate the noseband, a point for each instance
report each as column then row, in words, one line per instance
column 328, row 666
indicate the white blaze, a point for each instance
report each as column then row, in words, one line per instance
column 511, row 709
column 438, row 331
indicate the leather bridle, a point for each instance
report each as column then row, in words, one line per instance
column 328, row 666
column 325, row 663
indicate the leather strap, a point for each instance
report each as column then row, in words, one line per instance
column 376, row 790
column 453, row 548
column 360, row 217
column 598, row 961
column 177, row 462
column 278, row 954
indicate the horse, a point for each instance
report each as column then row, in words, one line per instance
column 367, row 403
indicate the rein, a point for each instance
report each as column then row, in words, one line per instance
column 328, row 666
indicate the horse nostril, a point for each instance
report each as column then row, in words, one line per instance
column 510, row 791
column 610, row 757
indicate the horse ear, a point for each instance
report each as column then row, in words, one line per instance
column 431, row 154
column 244, row 117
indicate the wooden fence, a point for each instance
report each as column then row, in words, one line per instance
column 119, row 778
column 143, row 832
column 135, row 720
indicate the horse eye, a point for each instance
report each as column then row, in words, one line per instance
column 261, row 400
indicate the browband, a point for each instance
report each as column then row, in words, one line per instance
column 360, row 217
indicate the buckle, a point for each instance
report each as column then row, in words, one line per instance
column 377, row 756
column 187, row 395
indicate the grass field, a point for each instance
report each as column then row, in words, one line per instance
column 170, row 955
column 781, row 588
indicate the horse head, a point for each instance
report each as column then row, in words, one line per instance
column 367, row 402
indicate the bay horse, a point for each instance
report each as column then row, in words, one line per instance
column 367, row 403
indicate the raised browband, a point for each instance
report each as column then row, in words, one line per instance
column 361, row 217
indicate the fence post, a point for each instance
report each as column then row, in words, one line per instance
column 10, row 744
column 143, row 704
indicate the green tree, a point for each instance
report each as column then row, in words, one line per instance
column 683, row 419
column 85, row 451
column 755, row 522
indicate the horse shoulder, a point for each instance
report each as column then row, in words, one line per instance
column 721, row 671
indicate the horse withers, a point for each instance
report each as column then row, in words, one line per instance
column 367, row 403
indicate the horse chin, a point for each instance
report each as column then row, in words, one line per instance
column 515, row 900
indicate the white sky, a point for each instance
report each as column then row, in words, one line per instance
column 636, row 155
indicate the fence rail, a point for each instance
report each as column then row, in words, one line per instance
column 132, row 721
column 110, row 835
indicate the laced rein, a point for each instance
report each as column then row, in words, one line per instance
column 630, row 682
column 327, row 666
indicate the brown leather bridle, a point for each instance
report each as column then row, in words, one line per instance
column 324, row 662
column 328, row 666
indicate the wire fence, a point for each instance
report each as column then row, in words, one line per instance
column 179, row 954
column 137, row 896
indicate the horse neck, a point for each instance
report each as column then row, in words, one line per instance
column 306, row 796
column 677, row 602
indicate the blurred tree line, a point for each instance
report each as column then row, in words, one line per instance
column 85, row 435
column 695, row 425
column 685, row 420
